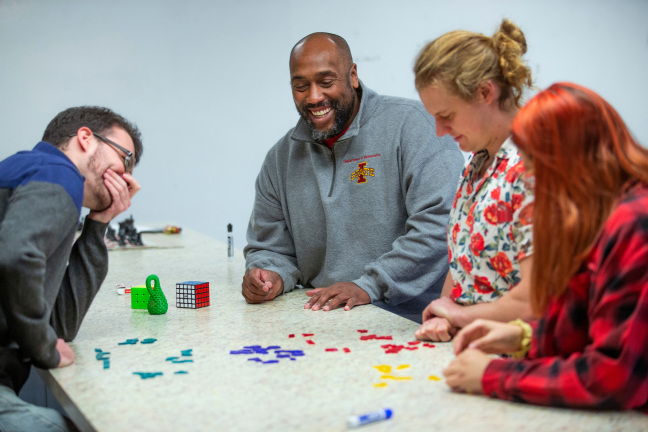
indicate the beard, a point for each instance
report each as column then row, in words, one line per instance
column 96, row 193
column 343, row 112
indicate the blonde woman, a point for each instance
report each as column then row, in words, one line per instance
column 473, row 84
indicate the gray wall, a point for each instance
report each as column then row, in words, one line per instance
column 207, row 81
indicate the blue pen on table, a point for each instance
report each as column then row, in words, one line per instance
column 374, row 416
column 230, row 241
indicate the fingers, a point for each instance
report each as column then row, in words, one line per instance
column 427, row 313
column 319, row 299
column 469, row 334
column 442, row 307
column 119, row 190
column 133, row 185
column 254, row 288
column 436, row 330
column 336, row 295
column 65, row 353
column 349, row 304
column 335, row 303
column 486, row 343
column 466, row 371
column 261, row 285
column 462, row 340
column 453, row 375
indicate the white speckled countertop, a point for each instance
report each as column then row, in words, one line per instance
column 221, row 391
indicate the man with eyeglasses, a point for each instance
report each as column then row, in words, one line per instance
column 353, row 202
column 47, row 280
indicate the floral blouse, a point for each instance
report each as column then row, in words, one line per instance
column 489, row 230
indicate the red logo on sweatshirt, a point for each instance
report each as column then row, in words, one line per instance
column 361, row 173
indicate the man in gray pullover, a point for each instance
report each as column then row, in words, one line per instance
column 48, row 281
column 352, row 202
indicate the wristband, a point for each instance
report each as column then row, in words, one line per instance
column 525, row 344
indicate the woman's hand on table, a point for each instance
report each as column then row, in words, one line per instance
column 436, row 329
column 466, row 371
column 488, row 336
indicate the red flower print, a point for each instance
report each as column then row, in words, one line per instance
column 449, row 254
column 465, row 263
column 526, row 214
column 504, row 212
column 470, row 220
column 457, row 196
column 514, row 172
column 501, row 167
column 482, row 285
column 456, row 292
column 516, row 201
column 476, row 244
column 455, row 231
column 495, row 193
column 501, row 264
column 469, row 188
column 490, row 214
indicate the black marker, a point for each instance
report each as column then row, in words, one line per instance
column 230, row 241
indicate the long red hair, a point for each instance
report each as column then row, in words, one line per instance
column 584, row 158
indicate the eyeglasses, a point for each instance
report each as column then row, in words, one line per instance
column 129, row 161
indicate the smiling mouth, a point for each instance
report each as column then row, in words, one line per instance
column 321, row 113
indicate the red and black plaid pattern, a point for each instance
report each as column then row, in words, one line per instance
column 591, row 348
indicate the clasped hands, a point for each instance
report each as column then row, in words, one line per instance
column 261, row 285
column 438, row 320
column 472, row 346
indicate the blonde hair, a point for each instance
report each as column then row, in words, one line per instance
column 462, row 61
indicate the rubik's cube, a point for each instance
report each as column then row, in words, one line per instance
column 192, row 294
column 139, row 297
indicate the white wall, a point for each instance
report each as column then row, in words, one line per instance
column 207, row 81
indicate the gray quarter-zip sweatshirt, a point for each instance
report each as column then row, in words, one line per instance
column 372, row 210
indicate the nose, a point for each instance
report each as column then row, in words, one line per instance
column 441, row 127
column 314, row 94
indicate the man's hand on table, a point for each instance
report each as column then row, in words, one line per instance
column 261, row 285
column 332, row 297
column 65, row 352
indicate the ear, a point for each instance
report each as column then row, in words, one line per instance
column 354, row 76
column 83, row 136
column 486, row 92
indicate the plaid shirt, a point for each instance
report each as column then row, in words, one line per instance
column 591, row 348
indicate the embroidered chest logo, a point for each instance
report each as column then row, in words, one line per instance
column 360, row 175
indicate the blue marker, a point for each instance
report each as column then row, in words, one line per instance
column 374, row 416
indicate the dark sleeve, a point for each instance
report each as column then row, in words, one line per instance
column 612, row 371
column 39, row 218
column 86, row 271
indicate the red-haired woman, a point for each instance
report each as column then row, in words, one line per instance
column 589, row 279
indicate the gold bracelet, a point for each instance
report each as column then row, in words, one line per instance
column 527, row 334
